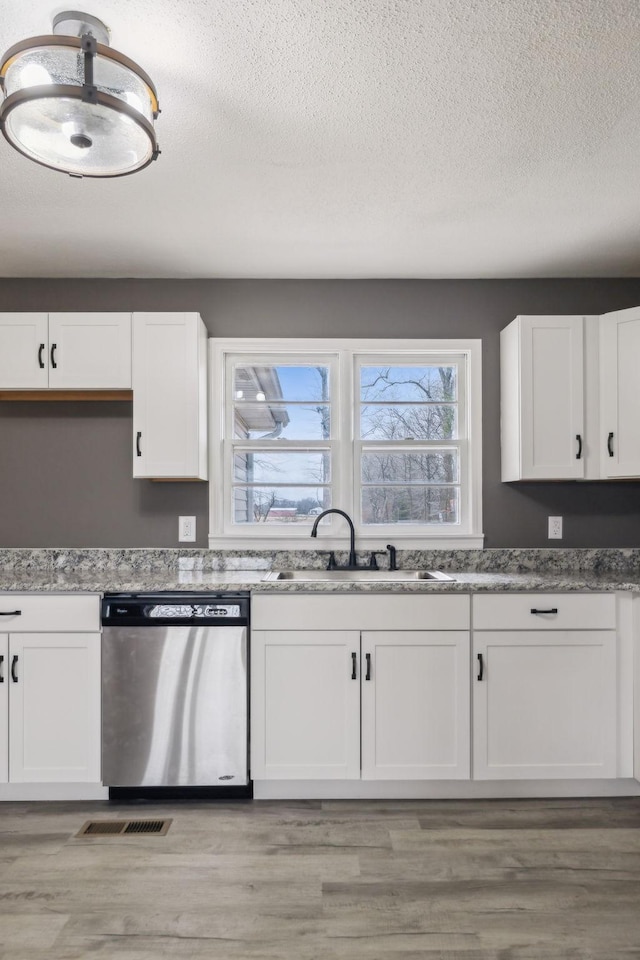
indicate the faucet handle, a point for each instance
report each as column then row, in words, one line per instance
column 373, row 563
column 333, row 563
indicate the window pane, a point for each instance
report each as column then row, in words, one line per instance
column 432, row 466
column 410, row 505
column 408, row 384
column 269, row 421
column 270, row 504
column 281, row 382
column 438, row 421
column 267, row 466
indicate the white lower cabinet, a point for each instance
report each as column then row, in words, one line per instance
column 350, row 702
column 545, row 700
column 50, row 692
column 415, row 705
column 305, row 705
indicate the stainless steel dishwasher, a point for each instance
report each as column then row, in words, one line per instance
column 174, row 695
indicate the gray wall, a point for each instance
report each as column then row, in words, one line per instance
column 65, row 469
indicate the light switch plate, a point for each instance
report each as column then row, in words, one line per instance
column 186, row 529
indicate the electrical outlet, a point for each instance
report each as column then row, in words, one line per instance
column 555, row 528
column 186, row 529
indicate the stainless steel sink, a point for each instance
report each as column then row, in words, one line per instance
column 359, row 576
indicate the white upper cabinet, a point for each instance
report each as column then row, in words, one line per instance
column 620, row 393
column 542, row 398
column 570, row 397
column 24, row 351
column 73, row 351
column 169, row 396
column 90, row 350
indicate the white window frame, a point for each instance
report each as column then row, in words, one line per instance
column 345, row 444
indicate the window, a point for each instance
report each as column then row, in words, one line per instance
column 387, row 430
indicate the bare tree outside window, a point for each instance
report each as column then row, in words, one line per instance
column 416, row 407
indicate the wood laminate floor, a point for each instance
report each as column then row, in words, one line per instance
column 359, row 880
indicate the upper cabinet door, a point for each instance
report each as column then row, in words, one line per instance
column 24, row 351
column 169, row 396
column 90, row 351
column 620, row 393
column 542, row 398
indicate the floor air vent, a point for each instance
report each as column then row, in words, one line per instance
column 121, row 828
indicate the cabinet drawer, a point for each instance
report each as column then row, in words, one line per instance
column 35, row 613
column 545, row 611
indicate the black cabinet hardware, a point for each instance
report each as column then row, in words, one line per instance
column 610, row 444
column 550, row 610
column 480, row 667
column 579, row 453
column 1, row 668
column 354, row 665
column 10, row 613
column 54, row 347
column 138, row 438
column 14, row 668
column 368, row 673
column 40, row 352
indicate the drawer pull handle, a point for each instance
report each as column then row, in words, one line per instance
column 579, row 453
column 354, row 664
column 368, row 673
column 480, row 667
column 138, row 439
column 10, row 613
column 1, row 668
column 14, row 668
column 550, row 610
column 54, row 347
column 40, row 352
column 610, row 444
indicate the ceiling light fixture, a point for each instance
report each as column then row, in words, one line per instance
column 74, row 104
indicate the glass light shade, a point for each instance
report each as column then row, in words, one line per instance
column 48, row 117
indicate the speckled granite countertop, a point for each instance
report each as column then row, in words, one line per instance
column 132, row 571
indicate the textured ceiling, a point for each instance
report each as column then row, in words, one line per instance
column 353, row 138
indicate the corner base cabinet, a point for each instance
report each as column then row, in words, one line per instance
column 50, row 690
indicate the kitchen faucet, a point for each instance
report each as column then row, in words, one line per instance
column 352, row 564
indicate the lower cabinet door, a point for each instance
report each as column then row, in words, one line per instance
column 4, row 707
column 54, row 707
column 415, row 705
column 305, row 705
column 544, row 704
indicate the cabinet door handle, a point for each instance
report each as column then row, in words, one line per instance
column 40, row 352
column 54, row 347
column 354, row 666
column 10, row 613
column 579, row 453
column 550, row 610
column 610, row 444
column 138, row 439
column 480, row 667
column 1, row 668
column 368, row 673
column 14, row 668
